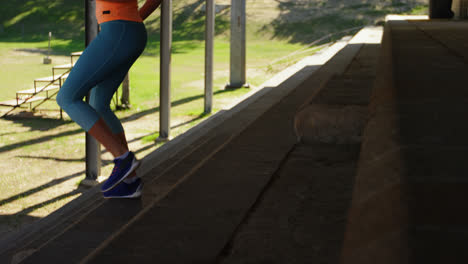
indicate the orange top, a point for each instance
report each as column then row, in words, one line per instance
column 108, row 11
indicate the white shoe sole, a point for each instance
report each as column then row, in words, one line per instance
column 135, row 166
column 136, row 194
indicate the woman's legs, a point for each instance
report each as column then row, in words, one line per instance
column 122, row 139
column 108, row 130
column 101, row 132
column 103, row 65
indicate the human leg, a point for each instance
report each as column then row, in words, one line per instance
column 117, row 44
column 109, row 128
column 102, row 133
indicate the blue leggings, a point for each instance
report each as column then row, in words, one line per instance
column 101, row 68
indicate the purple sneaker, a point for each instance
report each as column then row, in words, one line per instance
column 125, row 190
column 122, row 168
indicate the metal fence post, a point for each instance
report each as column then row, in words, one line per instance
column 440, row 9
column 165, row 70
column 237, row 56
column 125, row 98
column 209, row 36
column 93, row 148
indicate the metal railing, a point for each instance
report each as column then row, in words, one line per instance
column 165, row 71
column 237, row 76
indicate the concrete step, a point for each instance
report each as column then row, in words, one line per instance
column 338, row 112
column 302, row 216
column 193, row 201
column 341, row 91
column 454, row 39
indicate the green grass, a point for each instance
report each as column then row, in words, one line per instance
column 311, row 29
column 419, row 10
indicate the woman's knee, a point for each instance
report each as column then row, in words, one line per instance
column 68, row 95
column 63, row 100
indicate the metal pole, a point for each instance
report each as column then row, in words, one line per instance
column 48, row 50
column 48, row 60
column 237, row 57
column 93, row 148
column 165, row 70
column 209, row 36
column 440, row 9
column 125, row 98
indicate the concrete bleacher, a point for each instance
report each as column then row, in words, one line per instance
column 195, row 198
column 196, row 201
column 243, row 189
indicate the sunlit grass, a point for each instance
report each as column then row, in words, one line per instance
column 419, row 10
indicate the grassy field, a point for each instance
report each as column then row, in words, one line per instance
column 46, row 155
